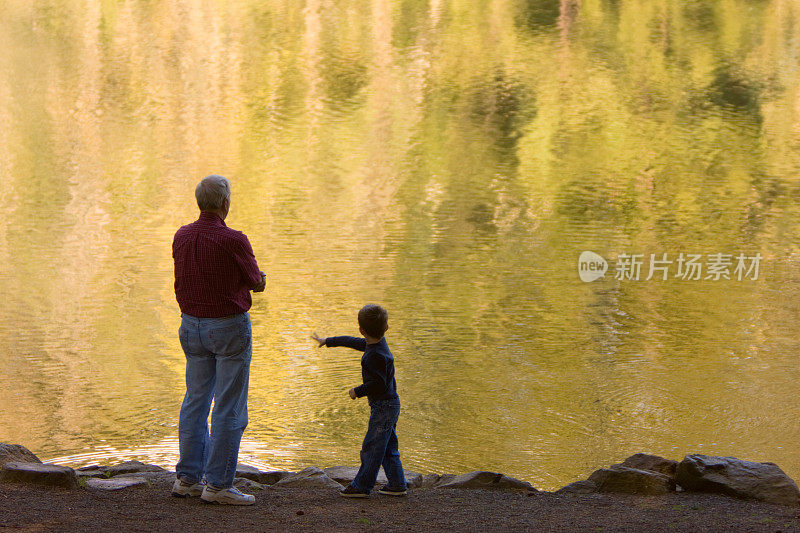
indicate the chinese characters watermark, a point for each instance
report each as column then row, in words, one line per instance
column 685, row 266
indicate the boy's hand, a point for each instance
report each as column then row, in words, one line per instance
column 353, row 394
column 320, row 340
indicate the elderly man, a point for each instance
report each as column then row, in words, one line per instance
column 215, row 270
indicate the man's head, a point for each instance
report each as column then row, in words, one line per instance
column 213, row 194
column 373, row 321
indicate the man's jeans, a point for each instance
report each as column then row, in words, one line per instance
column 218, row 353
column 380, row 448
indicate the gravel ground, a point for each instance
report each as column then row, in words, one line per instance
column 31, row 508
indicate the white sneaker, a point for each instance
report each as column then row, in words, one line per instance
column 182, row 489
column 230, row 496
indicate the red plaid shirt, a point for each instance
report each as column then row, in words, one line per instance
column 215, row 268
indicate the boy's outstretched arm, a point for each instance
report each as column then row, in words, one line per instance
column 356, row 343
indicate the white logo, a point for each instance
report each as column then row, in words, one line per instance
column 689, row 267
column 591, row 266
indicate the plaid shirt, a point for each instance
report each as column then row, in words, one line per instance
column 215, row 268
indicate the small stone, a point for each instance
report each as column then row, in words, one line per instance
column 16, row 453
column 117, row 483
column 39, row 474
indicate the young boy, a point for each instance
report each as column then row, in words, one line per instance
column 377, row 372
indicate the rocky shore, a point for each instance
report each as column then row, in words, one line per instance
column 643, row 491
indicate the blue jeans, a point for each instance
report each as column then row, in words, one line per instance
column 380, row 448
column 218, row 353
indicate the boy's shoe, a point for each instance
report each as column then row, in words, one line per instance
column 182, row 489
column 389, row 491
column 350, row 492
column 231, row 496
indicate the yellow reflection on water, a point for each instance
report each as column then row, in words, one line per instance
column 449, row 159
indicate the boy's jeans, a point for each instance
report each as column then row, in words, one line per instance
column 218, row 353
column 380, row 448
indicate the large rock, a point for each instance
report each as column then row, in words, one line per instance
column 132, row 467
column 16, row 453
column 736, row 477
column 485, row 480
column 345, row 474
column 39, row 474
column 631, row 481
column 653, row 463
column 308, row 478
column 117, row 483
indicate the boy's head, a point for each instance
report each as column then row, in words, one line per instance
column 373, row 320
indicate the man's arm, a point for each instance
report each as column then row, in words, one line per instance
column 254, row 278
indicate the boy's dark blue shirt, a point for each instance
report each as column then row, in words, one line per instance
column 377, row 367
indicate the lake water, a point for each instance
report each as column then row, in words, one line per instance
column 450, row 160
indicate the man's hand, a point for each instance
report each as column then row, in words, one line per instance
column 320, row 340
column 353, row 394
column 261, row 286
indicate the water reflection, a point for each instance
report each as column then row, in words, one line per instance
column 448, row 160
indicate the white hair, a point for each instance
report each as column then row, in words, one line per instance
column 211, row 192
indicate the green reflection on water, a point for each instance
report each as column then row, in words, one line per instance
column 448, row 159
